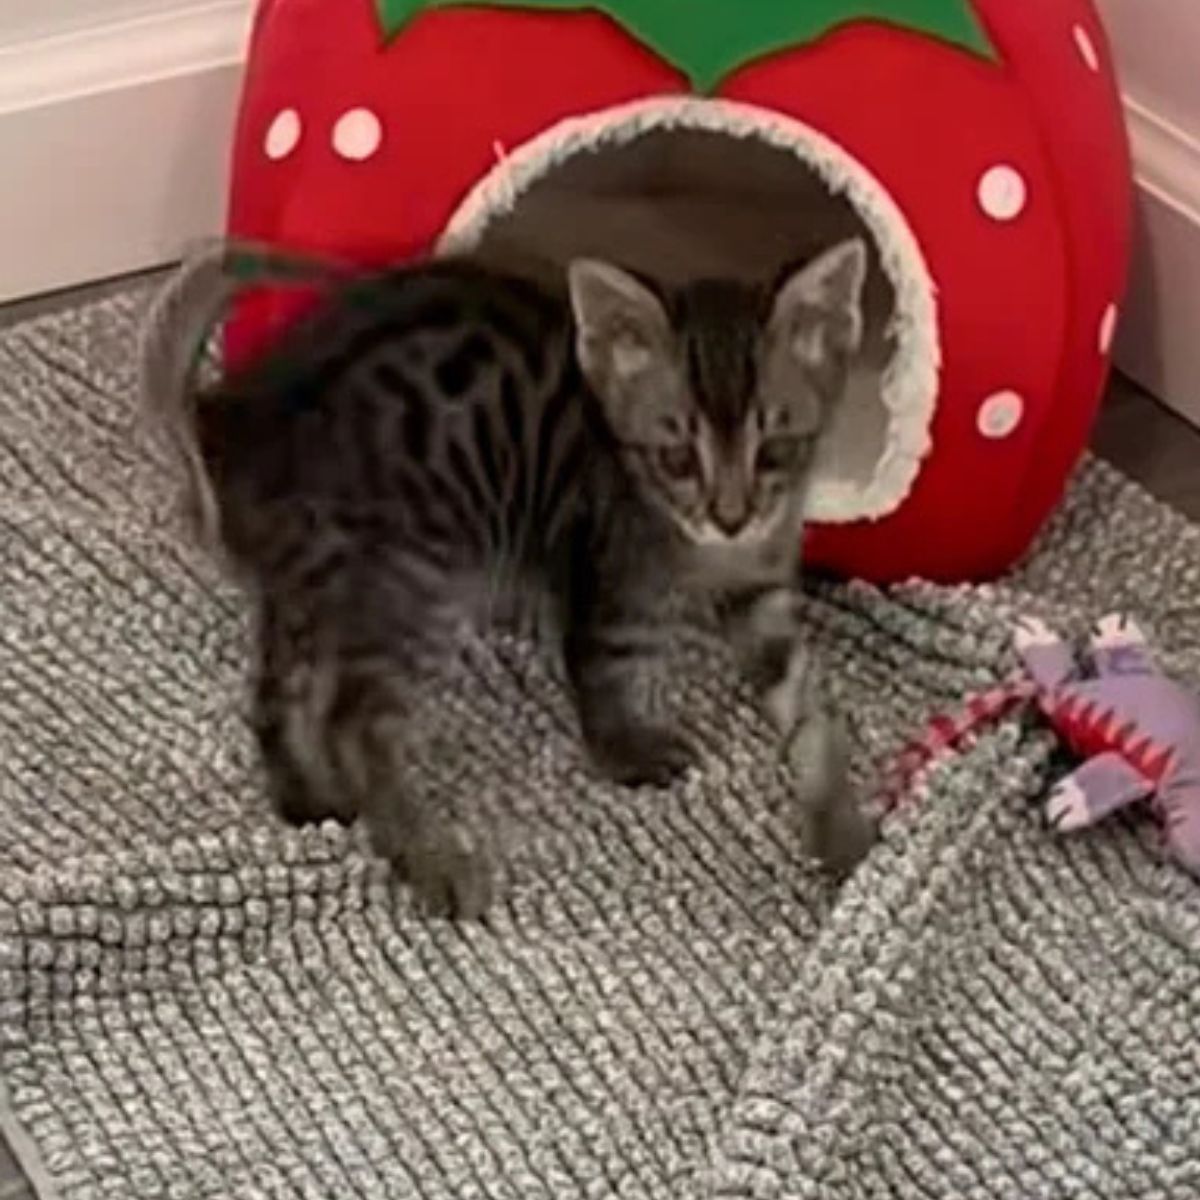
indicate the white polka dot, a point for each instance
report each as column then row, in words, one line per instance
column 283, row 136
column 1087, row 48
column 1002, row 193
column 999, row 415
column 358, row 134
column 1108, row 328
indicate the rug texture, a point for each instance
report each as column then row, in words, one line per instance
column 668, row 1001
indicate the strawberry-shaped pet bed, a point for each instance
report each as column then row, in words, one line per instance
column 979, row 142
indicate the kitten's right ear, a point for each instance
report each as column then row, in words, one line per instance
column 623, row 328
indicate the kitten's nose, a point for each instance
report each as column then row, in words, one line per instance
column 729, row 503
column 728, row 520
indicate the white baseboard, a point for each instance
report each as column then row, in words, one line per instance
column 1159, row 344
column 115, row 143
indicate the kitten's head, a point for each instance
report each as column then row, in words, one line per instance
column 716, row 395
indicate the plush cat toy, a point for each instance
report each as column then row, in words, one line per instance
column 1137, row 731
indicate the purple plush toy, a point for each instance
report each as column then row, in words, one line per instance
column 1138, row 731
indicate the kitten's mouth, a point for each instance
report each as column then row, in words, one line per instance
column 762, row 551
column 879, row 435
column 756, row 535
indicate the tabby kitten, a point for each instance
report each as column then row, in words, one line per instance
column 436, row 437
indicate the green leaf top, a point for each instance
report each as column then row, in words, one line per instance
column 709, row 39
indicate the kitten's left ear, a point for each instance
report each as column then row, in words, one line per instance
column 818, row 310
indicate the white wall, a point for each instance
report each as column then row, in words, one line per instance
column 1157, row 46
column 1157, row 43
column 116, row 120
column 23, row 19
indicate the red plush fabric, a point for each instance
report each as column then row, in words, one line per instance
column 1012, row 173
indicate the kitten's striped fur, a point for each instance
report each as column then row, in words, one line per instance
column 431, row 440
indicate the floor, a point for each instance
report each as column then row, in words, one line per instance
column 1151, row 444
column 1135, row 432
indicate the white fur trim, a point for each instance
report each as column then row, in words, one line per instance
column 909, row 386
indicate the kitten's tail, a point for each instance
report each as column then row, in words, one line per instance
column 176, row 332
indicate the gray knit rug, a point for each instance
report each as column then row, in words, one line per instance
column 668, row 1001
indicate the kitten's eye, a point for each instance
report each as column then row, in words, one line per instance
column 679, row 462
column 780, row 454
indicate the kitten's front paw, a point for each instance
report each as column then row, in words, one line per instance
column 834, row 826
column 843, row 835
column 643, row 755
column 449, row 878
column 298, row 806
